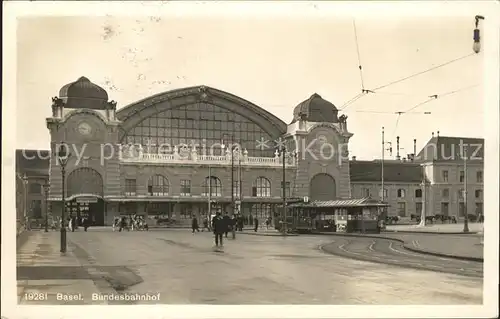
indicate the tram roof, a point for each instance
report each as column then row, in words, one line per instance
column 360, row 202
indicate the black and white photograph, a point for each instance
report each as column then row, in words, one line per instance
column 289, row 154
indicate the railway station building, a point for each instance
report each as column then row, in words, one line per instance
column 187, row 151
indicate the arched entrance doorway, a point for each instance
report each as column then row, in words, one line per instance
column 85, row 195
column 322, row 187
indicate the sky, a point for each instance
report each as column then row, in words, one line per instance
column 275, row 63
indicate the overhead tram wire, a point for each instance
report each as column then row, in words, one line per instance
column 422, row 72
column 360, row 67
column 359, row 56
column 436, row 96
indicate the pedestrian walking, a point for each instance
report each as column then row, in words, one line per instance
column 256, row 225
column 219, row 227
column 205, row 224
column 234, row 222
column 194, row 225
column 86, row 223
column 227, row 221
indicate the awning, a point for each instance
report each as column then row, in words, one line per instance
column 361, row 202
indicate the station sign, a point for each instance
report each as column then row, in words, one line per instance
column 86, row 200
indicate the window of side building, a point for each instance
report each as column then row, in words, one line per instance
column 418, row 193
column 401, row 193
column 401, row 209
column 445, row 176
column 479, row 176
column 478, row 193
column 445, row 193
column 462, row 176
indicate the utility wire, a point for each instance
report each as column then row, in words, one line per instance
column 351, row 101
column 436, row 96
column 359, row 57
column 396, row 126
column 422, row 72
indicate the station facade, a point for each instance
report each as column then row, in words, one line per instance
column 189, row 151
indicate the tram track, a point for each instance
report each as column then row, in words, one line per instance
column 392, row 252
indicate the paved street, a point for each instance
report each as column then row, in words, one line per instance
column 183, row 269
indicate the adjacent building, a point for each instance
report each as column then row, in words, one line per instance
column 189, row 151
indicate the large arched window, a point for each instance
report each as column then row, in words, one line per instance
column 84, row 180
column 158, row 185
column 212, row 185
column 261, row 187
column 202, row 124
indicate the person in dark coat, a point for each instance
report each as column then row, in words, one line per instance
column 256, row 226
column 234, row 222
column 219, row 227
column 194, row 225
column 240, row 223
column 86, row 223
column 227, row 221
column 73, row 223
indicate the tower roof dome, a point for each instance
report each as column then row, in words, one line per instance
column 316, row 109
column 83, row 94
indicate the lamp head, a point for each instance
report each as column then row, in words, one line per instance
column 476, row 47
column 62, row 152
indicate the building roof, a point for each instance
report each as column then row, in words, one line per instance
column 371, row 171
column 83, row 94
column 359, row 202
column 446, row 149
column 33, row 162
column 316, row 109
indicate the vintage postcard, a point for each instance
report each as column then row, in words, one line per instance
column 290, row 159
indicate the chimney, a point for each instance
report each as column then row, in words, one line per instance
column 414, row 147
column 397, row 149
column 354, row 158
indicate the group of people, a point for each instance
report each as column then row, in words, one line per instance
column 133, row 222
column 74, row 222
column 222, row 225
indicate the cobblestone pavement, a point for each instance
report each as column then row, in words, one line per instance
column 184, row 269
column 392, row 252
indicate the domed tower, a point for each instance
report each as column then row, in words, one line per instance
column 321, row 139
column 315, row 109
column 83, row 94
column 85, row 121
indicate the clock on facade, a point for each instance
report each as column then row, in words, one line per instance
column 84, row 128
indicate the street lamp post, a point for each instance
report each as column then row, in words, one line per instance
column 282, row 151
column 25, row 199
column 63, row 156
column 46, row 188
column 466, row 219
column 232, row 169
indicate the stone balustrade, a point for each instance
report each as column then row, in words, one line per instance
column 192, row 157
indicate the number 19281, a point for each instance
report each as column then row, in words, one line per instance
column 36, row 296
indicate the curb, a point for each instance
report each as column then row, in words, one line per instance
column 411, row 266
column 271, row 235
column 420, row 251
column 429, row 232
